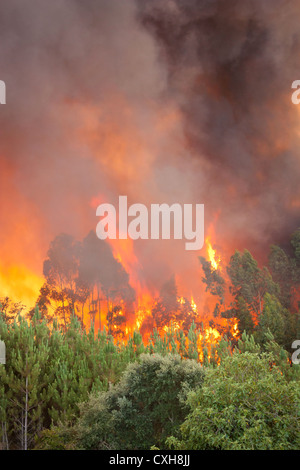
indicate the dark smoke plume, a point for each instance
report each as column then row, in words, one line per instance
column 163, row 101
column 230, row 68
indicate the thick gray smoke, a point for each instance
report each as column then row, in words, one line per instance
column 231, row 65
column 163, row 101
column 80, row 77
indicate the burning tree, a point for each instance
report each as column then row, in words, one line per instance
column 60, row 291
column 79, row 277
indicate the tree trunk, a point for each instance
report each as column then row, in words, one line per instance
column 26, row 416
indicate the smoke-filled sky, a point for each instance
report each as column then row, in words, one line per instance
column 160, row 100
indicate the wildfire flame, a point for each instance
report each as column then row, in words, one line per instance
column 20, row 284
column 212, row 255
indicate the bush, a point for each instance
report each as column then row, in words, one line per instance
column 245, row 403
column 143, row 409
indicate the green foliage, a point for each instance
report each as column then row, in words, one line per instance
column 24, row 379
column 56, row 438
column 215, row 283
column 295, row 241
column 249, row 281
column 64, row 386
column 49, row 372
column 243, row 314
column 283, row 271
column 285, row 268
column 263, row 300
column 244, row 404
column 271, row 320
column 143, row 409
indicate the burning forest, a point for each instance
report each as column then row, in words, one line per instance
column 179, row 118
column 164, row 102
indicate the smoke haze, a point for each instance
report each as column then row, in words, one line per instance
column 170, row 101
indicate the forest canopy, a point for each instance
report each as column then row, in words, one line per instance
column 230, row 384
